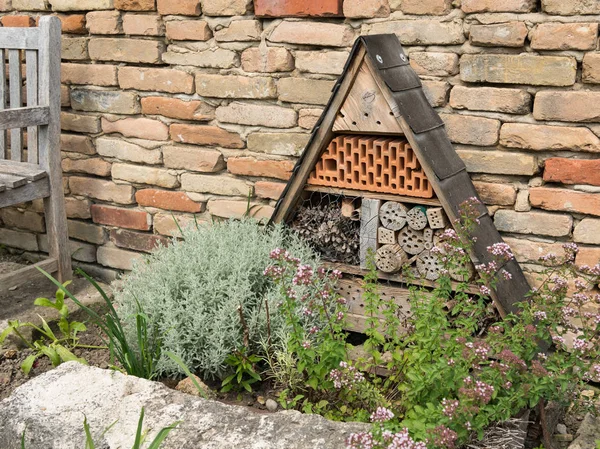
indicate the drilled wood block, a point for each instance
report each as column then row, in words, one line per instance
column 416, row 218
column 390, row 258
column 436, row 218
column 429, row 265
column 393, row 215
column 411, row 241
column 386, row 236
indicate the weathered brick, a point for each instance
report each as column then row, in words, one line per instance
column 18, row 239
column 257, row 115
column 81, row 5
column 65, row 96
column 302, row 90
column 571, row 7
column 580, row 106
column 176, row 108
column 144, row 175
column 307, row 118
column 137, row 241
column 143, row 25
column 188, row 30
column 268, row 189
column 28, row 5
column 572, row 171
column 422, row 31
column 92, row 166
column 77, row 208
column 117, row 258
column 267, row 59
column 519, row 69
column 313, row 33
column 74, row 143
column 127, row 151
column 470, row 6
column 591, row 68
column 436, row 92
column 171, row 225
column 426, row 7
column 240, row 31
column 587, row 231
column 531, row 251
column 73, row 23
column 434, row 64
column 565, row 36
column 298, row 8
column 498, row 162
column 91, row 74
column 250, row 166
column 126, row 50
column 120, row 217
column 104, row 22
column 239, row 209
column 116, row 102
column 144, row 128
column 543, row 137
column 510, row 34
column 496, row 194
column 565, row 200
column 74, row 48
column 329, row 62
column 225, row 7
column 283, row 144
column 217, row 184
column 87, row 232
column 587, row 256
column 168, row 200
column 205, row 135
column 79, row 251
column 17, row 21
column 179, row 7
column 511, row 101
column 367, row 9
column 79, row 123
column 27, row 220
column 193, row 158
column 541, row 223
column 6, row 5
column 161, row 80
column 135, row 5
column 231, row 86
column 471, row 130
column 216, row 58
column 101, row 189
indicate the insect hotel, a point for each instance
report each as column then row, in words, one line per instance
column 379, row 173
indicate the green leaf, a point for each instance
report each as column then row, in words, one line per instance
column 162, row 434
column 68, row 356
column 50, row 353
column 228, row 380
column 76, row 326
column 44, row 302
column 47, row 329
column 6, row 332
column 28, row 363
column 89, row 442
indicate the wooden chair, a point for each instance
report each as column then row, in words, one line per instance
column 40, row 175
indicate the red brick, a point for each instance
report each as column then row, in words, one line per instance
column 588, row 256
column 168, row 200
column 17, row 21
column 572, row 171
column 179, row 7
column 268, row 189
column 297, row 8
column 250, row 166
column 123, row 218
column 137, row 241
column 565, row 200
column 176, row 108
column 205, row 135
column 73, row 23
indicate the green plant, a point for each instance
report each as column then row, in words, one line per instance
column 137, row 351
column 244, row 374
column 191, row 292
column 58, row 348
column 187, row 372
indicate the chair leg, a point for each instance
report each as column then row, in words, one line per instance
column 58, row 236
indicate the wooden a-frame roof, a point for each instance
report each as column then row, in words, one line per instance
column 424, row 129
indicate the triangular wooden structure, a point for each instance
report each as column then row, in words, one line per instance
column 381, row 96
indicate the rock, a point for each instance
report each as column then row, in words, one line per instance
column 561, row 428
column 53, row 405
column 187, row 386
column 588, row 433
column 271, row 405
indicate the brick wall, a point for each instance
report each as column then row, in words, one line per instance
column 177, row 105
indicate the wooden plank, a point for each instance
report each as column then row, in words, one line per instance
column 32, row 100
column 20, row 38
column 2, row 100
column 369, row 222
column 24, row 117
column 32, row 172
column 320, row 141
column 28, row 192
column 26, row 274
column 15, row 87
column 12, row 181
column 371, row 195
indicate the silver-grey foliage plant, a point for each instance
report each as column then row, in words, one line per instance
column 192, row 290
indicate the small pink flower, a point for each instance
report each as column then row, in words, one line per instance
column 306, row 344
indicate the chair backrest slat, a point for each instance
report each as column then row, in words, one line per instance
column 15, row 85
column 31, row 62
column 20, row 38
column 2, row 100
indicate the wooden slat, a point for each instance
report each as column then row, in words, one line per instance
column 12, row 181
column 26, row 274
column 20, row 38
column 32, row 100
column 2, row 101
column 369, row 222
column 371, row 195
column 24, row 117
column 32, row 172
column 28, row 192
column 15, row 86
